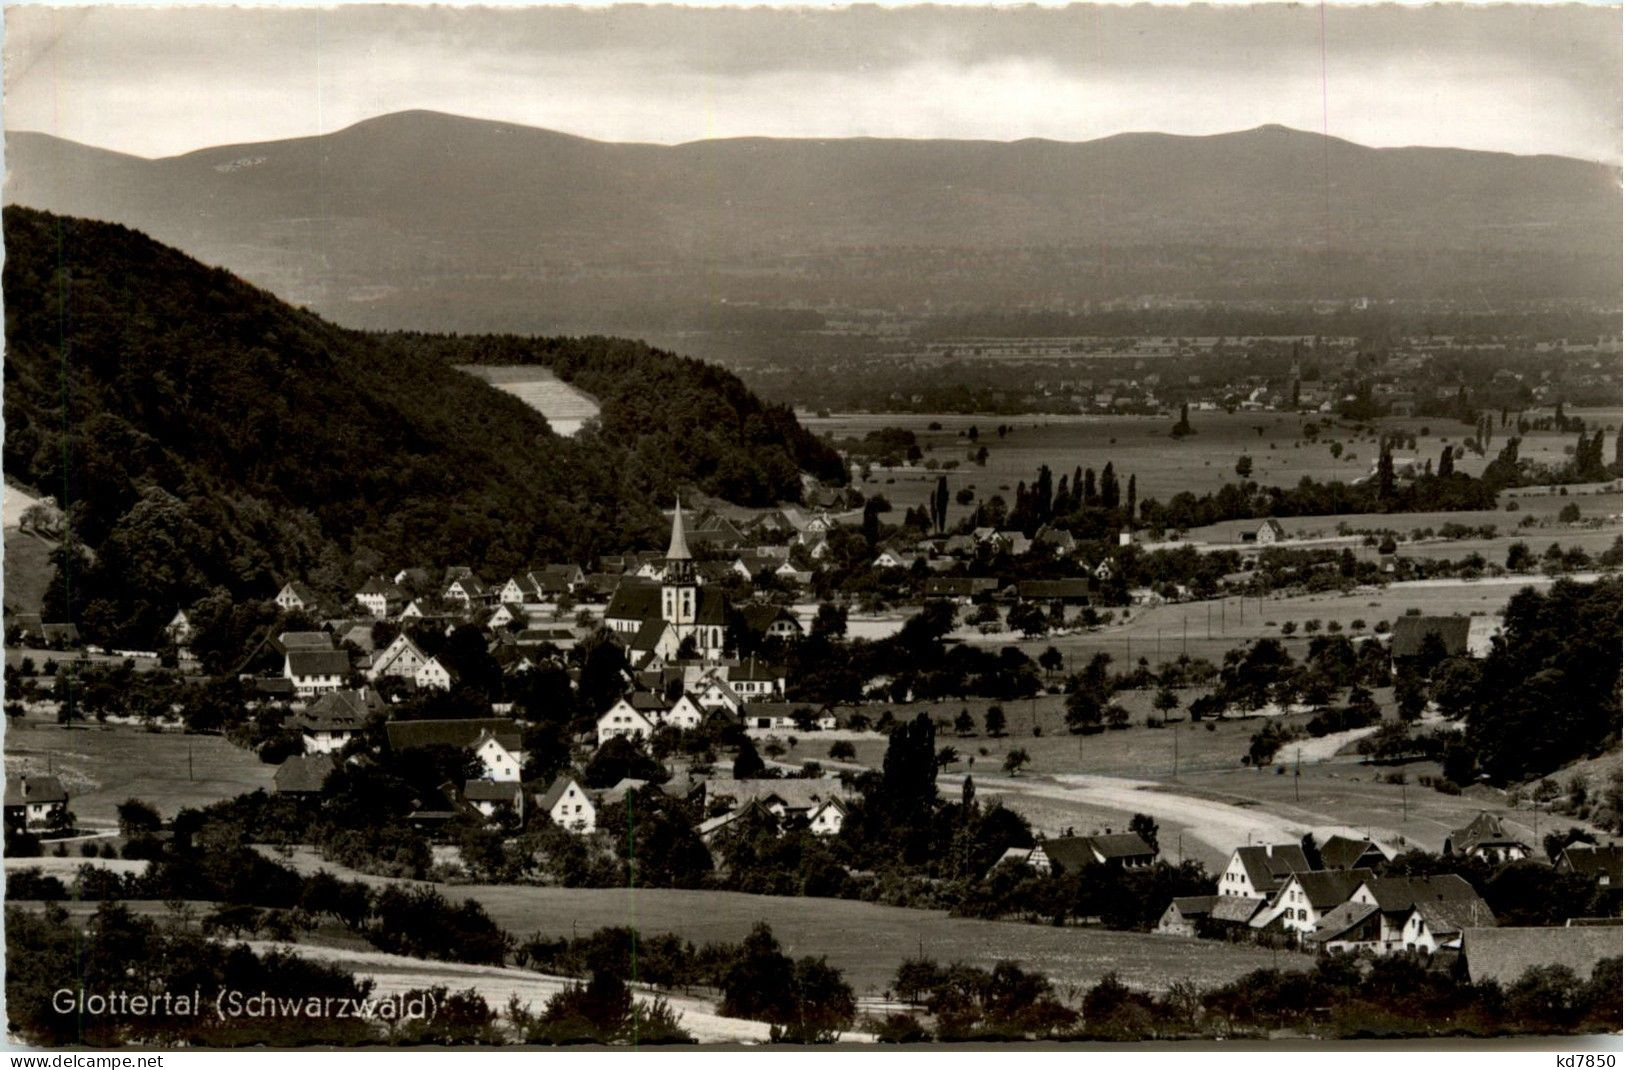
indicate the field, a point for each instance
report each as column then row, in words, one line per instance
column 866, row 941
column 103, row 766
column 565, row 407
column 1163, row 466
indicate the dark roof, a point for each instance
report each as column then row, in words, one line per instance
column 273, row 685
column 1340, row 920
column 318, row 663
column 1345, row 852
column 304, row 773
column 635, row 600
column 67, row 633
column 1409, row 633
column 300, row 589
column 1268, row 866
column 1592, row 861
column 338, row 710
column 753, row 670
column 1195, row 906
column 1503, row 954
column 959, row 586
column 760, row 616
column 782, row 709
column 712, row 607
column 1401, row 894
column 23, row 790
column 1446, row 916
column 1075, row 852
column 464, row 732
column 1325, row 888
column 1039, row 590
column 1484, row 830
column 492, row 791
column 555, row 791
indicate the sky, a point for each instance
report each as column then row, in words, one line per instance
column 1522, row 78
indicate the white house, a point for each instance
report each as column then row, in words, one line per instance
column 567, row 803
column 295, row 595
column 684, row 714
column 315, row 672
column 1259, row 871
column 1306, row 898
column 718, row 694
column 334, row 719
column 502, row 763
column 1271, row 532
column 487, row 796
column 827, row 818
column 511, row 592
column 31, row 801
column 433, row 674
column 375, row 596
column 624, row 719
column 467, row 590
column 505, row 614
column 401, row 657
column 179, row 629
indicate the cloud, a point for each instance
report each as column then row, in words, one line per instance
column 1521, row 78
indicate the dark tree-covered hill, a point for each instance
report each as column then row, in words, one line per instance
column 204, row 434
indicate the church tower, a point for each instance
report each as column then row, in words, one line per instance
column 679, row 592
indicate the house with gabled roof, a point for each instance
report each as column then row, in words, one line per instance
column 1055, row 540
column 1352, row 927
column 488, row 796
column 402, row 658
column 754, row 680
column 1601, row 862
column 1504, row 954
column 304, row 774
column 335, row 718
column 507, row 615
column 1207, row 915
column 496, row 741
column 1396, row 900
column 781, row 716
column 433, row 674
column 634, row 717
column 569, row 805
column 379, row 597
column 1346, row 852
column 33, row 801
column 296, row 594
column 769, row 621
column 1485, row 837
column 1071, row 854
column 468, row 591
column 179, row 629
column 314, row 672
column 715, row 693
column 1305, row 898
column 1270, row 532
column 1261, row 870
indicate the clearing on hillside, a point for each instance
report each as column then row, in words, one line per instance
column 565, row 407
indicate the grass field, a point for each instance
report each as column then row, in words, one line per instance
column 565, row 407
column 865, row 940
column 1162, row 465
column 27, row 571
column 103, row 766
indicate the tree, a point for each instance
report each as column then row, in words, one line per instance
column 1085, row 710
column 1145, row 827
column 1165, row 702
column 842, row 750
column 136, row 819
column 748, row 764
column 994, row 721
column 964, row 724
column 946, row 757
column 1244, row 466
column 1051, row 660
column 1015, row 760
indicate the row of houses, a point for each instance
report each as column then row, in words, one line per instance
column 1338, row 903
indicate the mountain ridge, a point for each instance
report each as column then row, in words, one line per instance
column 426, row 220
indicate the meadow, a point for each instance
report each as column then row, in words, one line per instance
column 101, row 766
column 865, row 941
column 1163, row 466
column 565, row 407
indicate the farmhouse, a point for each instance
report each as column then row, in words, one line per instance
column 1346, row 852
column 1486, row 838
column 304, row 774
column 314, row 672
column 487, row 796
column 1270, row 532
column 34, row 801
column 1260, row 871
column 635, row 717
column 432, row 674
column 402, row 658
column 1447, row 897
column 295, row 595
column 1347, row 927
column 752, row 680
column 784, row 715
column 1071, row 854
column 569, row 806
column 770, row 622
column 1600, row 863
column 1306, row 898
column 378, row 597
column 336, row 718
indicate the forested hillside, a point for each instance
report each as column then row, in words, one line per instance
column 204, row 434
column 678, row 419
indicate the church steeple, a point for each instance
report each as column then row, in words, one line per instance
column 678, row 550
